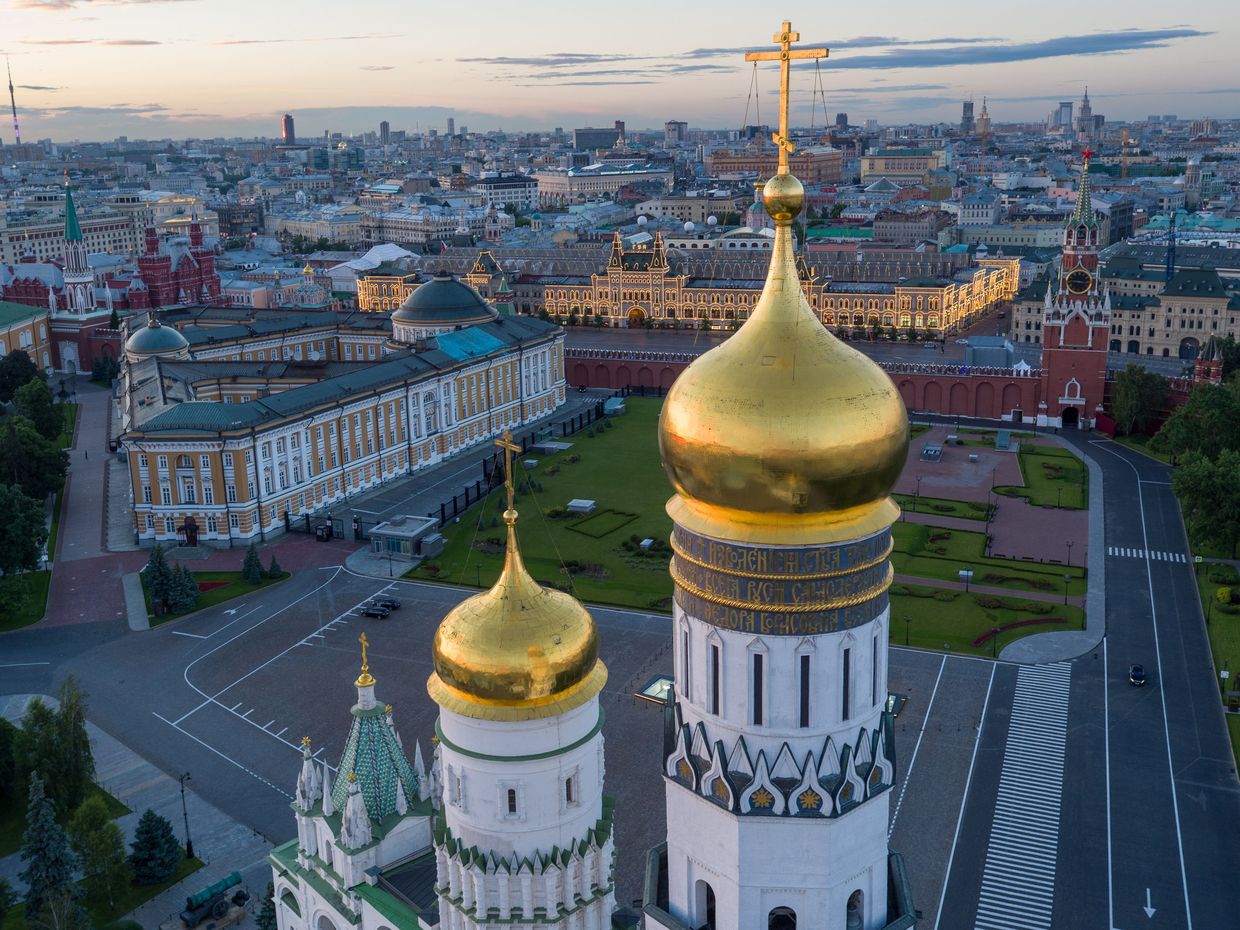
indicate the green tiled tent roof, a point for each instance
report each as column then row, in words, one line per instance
column 376, row 757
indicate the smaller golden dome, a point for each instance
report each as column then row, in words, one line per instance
column 518, row 651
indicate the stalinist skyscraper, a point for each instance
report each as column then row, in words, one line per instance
column 782, row 445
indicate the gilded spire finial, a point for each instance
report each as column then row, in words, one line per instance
column 784, row 39
column 305, row 741
column 352, row 777
column 505, row 442
column 365, row 679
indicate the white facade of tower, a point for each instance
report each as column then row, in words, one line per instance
column 527, row 839
column 779, row 752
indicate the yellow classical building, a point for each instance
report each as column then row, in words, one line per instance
column 638, row 288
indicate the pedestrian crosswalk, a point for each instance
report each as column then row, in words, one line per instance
column 1157, row 555
column 1018, row 879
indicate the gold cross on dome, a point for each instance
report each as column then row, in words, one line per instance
column 365, row 678
column 784, row 39
column 505, row 442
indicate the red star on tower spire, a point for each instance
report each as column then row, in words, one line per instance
column 1087, row 154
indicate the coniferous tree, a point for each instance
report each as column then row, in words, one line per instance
column 50, row 863
column 158, row 577
column 36, row 750
column 156, row 852
column 114, row 320
column 76, row 761
column 8, row 897
column 266, row 919
column 182, row 590
column 252, row 567
column 275, row 572
column 100, row 847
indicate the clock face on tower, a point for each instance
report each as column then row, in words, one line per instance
column 1079, row 281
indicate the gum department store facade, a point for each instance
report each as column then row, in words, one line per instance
column 638, row 286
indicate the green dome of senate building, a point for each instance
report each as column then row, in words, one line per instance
column 444, row 302
column 155, row 339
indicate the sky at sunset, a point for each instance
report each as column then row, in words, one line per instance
column 90, row 69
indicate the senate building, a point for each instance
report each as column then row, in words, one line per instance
column 235, row 421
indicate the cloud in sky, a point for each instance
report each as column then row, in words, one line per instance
column 378, row 67
column 307, row 39
column 35, row 87
column 77, row 4
column 91, row 42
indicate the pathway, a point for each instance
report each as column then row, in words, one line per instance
column 219, row 841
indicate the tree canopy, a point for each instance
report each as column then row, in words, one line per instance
column 1207, row 423
column 34, row 401
column 23, row 532
column 1138, row 398
column 16, row 369
column 30, row 461
column 1209, row 493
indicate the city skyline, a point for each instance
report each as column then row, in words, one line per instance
column 90, row 70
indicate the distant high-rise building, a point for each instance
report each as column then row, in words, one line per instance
column 591, row 138
column 464, row 130
column 1085, row 118
column 966, row 119
column 1061, row 116
column 841, row 120
column 619, row 132
column 675, row 131
column 451, row 126
column 286, row 130
column 385, row 133
column 982, row 127
column 871, row 125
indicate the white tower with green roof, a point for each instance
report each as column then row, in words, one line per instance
column 364, row 836
column 79, row 293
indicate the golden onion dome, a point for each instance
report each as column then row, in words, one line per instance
column 519, row 651
column 783, row 434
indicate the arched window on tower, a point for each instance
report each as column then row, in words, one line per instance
column 512, row 800
column 781, row 918
column 704, row 905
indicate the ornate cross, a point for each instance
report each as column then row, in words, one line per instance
column 365, row 642
column 784, row 39
column 505, row 442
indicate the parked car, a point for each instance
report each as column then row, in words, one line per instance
column 962, row 342
column 388, row 602
column 376, row 611
column 1136, row 676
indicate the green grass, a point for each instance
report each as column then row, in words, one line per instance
column 951, row 620
column 236, row 587
column 942, row 557
column 1224, row 632
column 601, row 523
column 1142, row 444
column 30, row 593
column 1054, row 477
column 69, row 413
column 101, row 913
column 942, row 506
column 619, row 468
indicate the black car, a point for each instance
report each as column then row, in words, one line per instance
column 1136, row 675
column 389, row 602
column 376, row 610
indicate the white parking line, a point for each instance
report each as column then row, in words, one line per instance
column 190, row 635
column 908, row 773
column 224, row 756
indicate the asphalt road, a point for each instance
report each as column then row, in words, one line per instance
column 1150, row 801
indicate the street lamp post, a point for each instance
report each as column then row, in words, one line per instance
column 189, row 843
column 916, row 493
column 1066, row 579
column 1059, row 499
column 907, row 621
column 1070, row 545
column 994, row 642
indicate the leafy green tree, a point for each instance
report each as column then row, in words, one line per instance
column 30, row 461
column 1209, row 493
column 156, row 850
column 8, row 765
column 1138, row 398
column 34, row 401
column 1229, row 352
column 23, row 532
column 267, row 916
column 77, row 762
column 61, row 911
column 252, row 567
column 274, row 571
column 8, row 897
column 100, row 847
column 16, row 369
column 50, row 863
column 35, row 749
column 158, row 577
column 1207, row 423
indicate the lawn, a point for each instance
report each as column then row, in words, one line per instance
column 619, row 469
column 952, row 620
column 1233, row 727
column 1224, row 632
column 1054, row 477
column 31, row 588
column 1142, row 444
column 219, row 587
column 69, row 413
column 103, row 914
column 942, row 506
column 933, row 552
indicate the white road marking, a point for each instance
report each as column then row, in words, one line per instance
column 964, row 798
column 225, row 757
column 191, row 635
column 1158, row 555
column 1106, row 745
column 908, row 773
column 1019, row 870
column 22, row 664
column 1162, row 692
